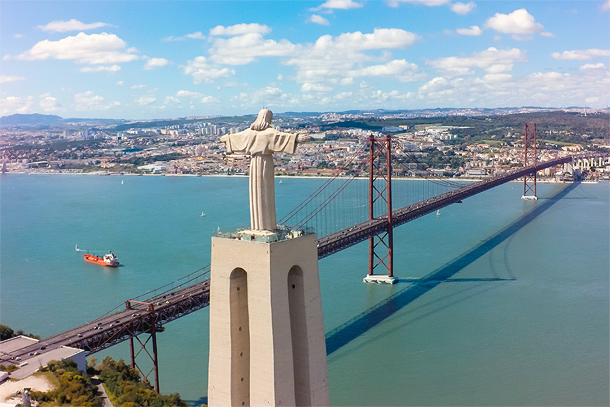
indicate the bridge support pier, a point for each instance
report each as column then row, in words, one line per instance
column 267, row 345
column 153, row 357
column 152, row 322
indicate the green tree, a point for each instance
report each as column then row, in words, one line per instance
column 127, row 389
column 6, row 332
column 74, row 387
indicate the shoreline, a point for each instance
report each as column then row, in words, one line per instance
column 105, row 174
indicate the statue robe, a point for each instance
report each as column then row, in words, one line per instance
column 261, row 145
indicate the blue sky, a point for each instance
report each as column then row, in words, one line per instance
column 158, row 59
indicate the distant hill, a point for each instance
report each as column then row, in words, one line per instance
column 29, row 119
column 45, row 120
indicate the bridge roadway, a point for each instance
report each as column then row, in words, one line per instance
column 114, row 328
column 345, row 238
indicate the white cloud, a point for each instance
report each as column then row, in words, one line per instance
column 18, row 36
column 196, row 96
column 506, row 90
column 343, row 96
column 332, row 59
column 209, row 100
column 381, row 38
column 519, row 22
column 49, row 104
column 271, row 91
column 188, row 93
column 193, row 36
column 84, row 48
column 202, row 71
column 338, row 4
column 491, row 60
column 581, row 54
column 13, row 104
column 317, row 19
column 600, row 65
column 495, row 78
column 90, row 101
column 171, row 100
column 146, row 100
column 10, row 78
column 246, row 48
column 315, row 87
column 152, row 63
column 399, row 69
column 605, row 5
column 431, row 3
column 463, row 8
column 101, row 68
column 138, row 86
column 61, row 26
column 379, row 96
column 120, row 83
column 240, row 29
column 473, row 31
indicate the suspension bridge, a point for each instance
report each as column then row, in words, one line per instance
column 374, row 222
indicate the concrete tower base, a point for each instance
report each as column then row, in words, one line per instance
column 380, row 279
column 267, row 343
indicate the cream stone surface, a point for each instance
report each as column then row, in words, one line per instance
column 267, row 343
column 261, row 141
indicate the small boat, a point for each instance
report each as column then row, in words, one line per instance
column 438, row 212
column 202, row 215
column 109, row 259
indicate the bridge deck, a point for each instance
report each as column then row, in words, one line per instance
column 345, row 238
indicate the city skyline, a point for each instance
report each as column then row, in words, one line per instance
column 156, row 59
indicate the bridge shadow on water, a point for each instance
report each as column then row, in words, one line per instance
column 370, row 318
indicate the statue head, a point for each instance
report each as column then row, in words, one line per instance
column 263, row 120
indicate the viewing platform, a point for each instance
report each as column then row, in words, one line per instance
column 265, row 236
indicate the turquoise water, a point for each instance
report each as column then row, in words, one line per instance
column 500, row 301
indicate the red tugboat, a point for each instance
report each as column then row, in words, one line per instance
column 109, row 259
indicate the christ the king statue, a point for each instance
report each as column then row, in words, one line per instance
column 261, row 141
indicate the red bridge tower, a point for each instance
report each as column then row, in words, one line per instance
column 530, row 158
column 381, row 246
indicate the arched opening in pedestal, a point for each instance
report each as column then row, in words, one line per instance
column 240, row 337
column 299, row 335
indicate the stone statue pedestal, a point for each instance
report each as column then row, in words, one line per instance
column 267, row 344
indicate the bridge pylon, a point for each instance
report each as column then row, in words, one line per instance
column 381, row 246
column 530, row 158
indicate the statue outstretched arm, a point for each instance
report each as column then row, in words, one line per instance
column 303, row 137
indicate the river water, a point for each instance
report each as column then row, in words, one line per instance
column 500, row 301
